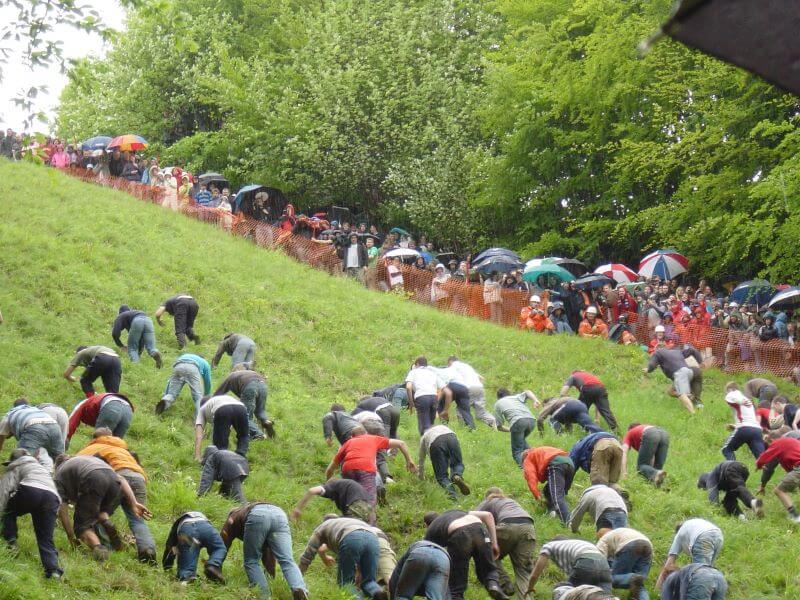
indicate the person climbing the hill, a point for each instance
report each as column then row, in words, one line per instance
column 423, row 570
column 373, row 425
column 694, row 582
column 730, row 476
column 141, row 334
column 564, row 412
column 516, row 538
column 554, row 468
column 58, row 414
column 96, row 491
column 441, row 443
column 698, row 538
column 580, row 560
column 747, row 426
column 388, row 412
column 98, row 362
column 356, row 545
column 27, row 487
column 184, row 310
column 422, row 386
column 605, row 506
column 113, row 411
column 452, row 387
column 190, row 533
column 224, row 413
column 251, row 388
column 350, row 498
column 652, row 444
column 521, row 422
column 630, row 554
column 33, row 429
column 474, row 383
column 785, row 452
column 264, row 531
column 240, row 348
column 592, row 392
column 192, row 370
column 762, row 390
column 592, row 326
column 337, row 422
column 600, row 455
column 467, row 535
column 673, row 364
column 357, row 457
column 229, row 468
column 115, row 452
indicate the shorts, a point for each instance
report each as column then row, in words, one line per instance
column 682, row 379
column 791, row 481
column 101, row 491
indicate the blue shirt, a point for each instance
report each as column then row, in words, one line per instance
column 203, row 197
column 581, row 453
column 202, row 366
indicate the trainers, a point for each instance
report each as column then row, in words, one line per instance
column 742, row 516
column 269, row 427
column 758, row 507
column 161, row 407
column 553, row 514
column 659, row 478
column 157, row 358
column 299, row 594
column 636, row 586
column 462, row 486
column 794, row 518
column 214, row 573
column 389, row 481
column 100, row 553
column 495, row 592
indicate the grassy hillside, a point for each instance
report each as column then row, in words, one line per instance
column 71, row 253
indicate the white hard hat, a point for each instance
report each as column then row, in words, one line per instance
column 535, row 298
column 592, row 310
column 660, row 329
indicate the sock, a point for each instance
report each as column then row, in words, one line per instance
column 792, row 511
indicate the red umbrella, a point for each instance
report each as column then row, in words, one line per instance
column 127, row 143
column 618, row 272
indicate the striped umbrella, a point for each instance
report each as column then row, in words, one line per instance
column 788, row 298
column 666, row 264
column 128, row 143
column 618, row 272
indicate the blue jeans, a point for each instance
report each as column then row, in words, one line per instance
column 139, row 528
column 635, row 558
column 706, row 584
column 267, row 525
column 254, row 397
column 706, row 547
column 191, row 538
column 42, row 435
column 426, row 572
column 612, row 518
column 141, row 333
column 184, row 374
column 116, row 416
column 359, row 549
column 245, row 352
column 520, row 430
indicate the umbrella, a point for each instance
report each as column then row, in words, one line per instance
column 574, row 266
column 760, row 36
column 402, row 253
column 788, row 298
column 207, row 178
column 618, row 272
column 248, row 189
column 446, row 257
column 399, row 231
column 666, row 264
column 756, row 291
column 127, row 143
column 499, row 263
column 493, row 252
column 534, row 272
column 591, row 281
column 98, row 142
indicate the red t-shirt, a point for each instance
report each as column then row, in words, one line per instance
column 763, row 418
column 579, row 379
column 786, row 450
column 358, row 453
column 634, row 436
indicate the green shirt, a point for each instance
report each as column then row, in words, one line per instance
column 83, row 357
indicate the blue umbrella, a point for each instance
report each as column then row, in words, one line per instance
column 99, row 142
column 756, row 291
column 253, row 187
column 593, row 281
column 494, row 252
column 788, row 298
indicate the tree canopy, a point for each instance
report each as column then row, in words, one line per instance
column 530, row 123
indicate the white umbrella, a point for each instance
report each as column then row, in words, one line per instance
column 788, row 298
column 402, row 253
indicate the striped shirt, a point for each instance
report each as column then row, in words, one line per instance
column 565, row 552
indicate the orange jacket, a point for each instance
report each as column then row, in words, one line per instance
column 115, row 452
column 531, row 320
column 534, row 467
column 600, row 329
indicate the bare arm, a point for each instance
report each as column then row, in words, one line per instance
column 668, row 567
column 625, row 449
column 538, row 569
column 161, row 310
column 410, row 394
column 564, row 390
column 488, row 520
column 68, row 373
column 401, row 446
column 310, row 493
column 796, row 420
column 532, row 397
column 330, row 469
column 198, row 441
column 63, row 516
column 140, row 510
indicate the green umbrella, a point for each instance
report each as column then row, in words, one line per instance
column 534, row 272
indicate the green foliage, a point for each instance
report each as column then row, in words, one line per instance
column 77, row 251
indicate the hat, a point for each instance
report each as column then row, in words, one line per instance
column 733, row 304
column 439, row 266
column 592, row 310
column 535, row 298
column 15, row 454
column 660, row 329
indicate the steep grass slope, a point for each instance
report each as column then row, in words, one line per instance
column 71, row 253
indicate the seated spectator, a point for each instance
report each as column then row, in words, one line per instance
column 533, row 318
column 592, row 326
column 622, row 332
column 660, row 340
column 558, row 317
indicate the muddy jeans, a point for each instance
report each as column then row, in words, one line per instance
column 139, row 528
column 518, row 542
column 477, row 400
column 184, row 373
column 606, row 461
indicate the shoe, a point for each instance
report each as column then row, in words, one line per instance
column 758, row 507
column 54, row 576
column 495, row 592
column 794, row 518
column 700, row 405
column 299, row 594
column 214, row 573
column 381, row 595
column 147, row 557
column 161, row 407
column 100, row 553
column 157, row 358
column 636, row 586
column 659, row 478
column 269, row 427
column 742, row 516
column 553, row 514
column 258, row 437
column 462, row 486
column 190, row 579
column 389, row 481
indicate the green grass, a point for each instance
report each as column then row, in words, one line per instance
column 71, row 253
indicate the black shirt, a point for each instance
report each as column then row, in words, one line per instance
column 438, row 530
column 172, row 303
column 123, row 322
column 344, row 492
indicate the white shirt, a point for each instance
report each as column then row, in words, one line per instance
column 425, row 381
column 688, row 534
column 467, row 374
column 352, row 256
column 743, row 410
column 206, row 412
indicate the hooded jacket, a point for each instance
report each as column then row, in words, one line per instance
column 123, row 322
column 780, row 326
column 114, row 451
column 221, row 465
